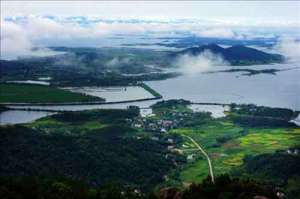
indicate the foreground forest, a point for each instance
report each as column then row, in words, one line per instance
column 225, row 187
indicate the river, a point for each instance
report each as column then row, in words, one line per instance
column 280, row 90
column 19, row 117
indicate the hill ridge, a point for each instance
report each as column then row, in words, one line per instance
column 236, row 54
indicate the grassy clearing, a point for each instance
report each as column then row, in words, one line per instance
column 49, row 125
column 28, row 93
column 195, row 172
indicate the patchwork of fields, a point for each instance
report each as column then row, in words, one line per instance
column 228, row 144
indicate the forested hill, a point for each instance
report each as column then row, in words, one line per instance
column 236, row 55
column 54, row 188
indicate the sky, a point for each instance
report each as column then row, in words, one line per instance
column 29, row 24
column 256, row 10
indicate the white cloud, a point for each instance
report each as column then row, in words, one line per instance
column 190, row 65
column 216, row 33
column 41, row 28
column 288, row 47
column 17, row 42
column 117, row 61
column 14, row 41
column 38, row 27
column 24, row 32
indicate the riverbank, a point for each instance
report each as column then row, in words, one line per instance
column 155, row 94
column 79, row 103
column 15, row 93
column 150, row 90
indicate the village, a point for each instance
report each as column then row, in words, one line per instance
column 158, row 123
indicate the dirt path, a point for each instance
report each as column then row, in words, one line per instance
column 211, row 172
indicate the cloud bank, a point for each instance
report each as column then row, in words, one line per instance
column 21, row 34
column 116, row 61
column 216, row 33
column 289, row 47
column 204, row 62
column 14, row 41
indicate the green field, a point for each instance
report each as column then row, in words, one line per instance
column 49, row 125
column 246, row 131
column 27, row 93
column 241, row 142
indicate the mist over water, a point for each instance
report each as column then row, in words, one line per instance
column 192, row 65
column 288, row 47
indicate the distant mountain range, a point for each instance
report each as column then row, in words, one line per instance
column 235, row 55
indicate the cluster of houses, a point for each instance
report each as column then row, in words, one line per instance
column 154, row 125
column 146, row 121
column 293, row 151
column 158, row 128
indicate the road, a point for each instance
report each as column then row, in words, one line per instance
column 211, row 172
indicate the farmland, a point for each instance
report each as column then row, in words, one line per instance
column 231, row 145
column 239, row 143
column 28, row 93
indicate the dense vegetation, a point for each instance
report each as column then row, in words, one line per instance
column 90, row 66
column 118, row 66
column 3, row 108
column 261, row 116
column 91, row 146
column 263, row 111
column 254, row 121
column 228, row 188
column 29, row 93
column 41, row 188
column 150, row 90
column 250, row 72
column 101, row 147
column 170, row 103
column 281, row 168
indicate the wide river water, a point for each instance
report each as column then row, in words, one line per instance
column 280, row 90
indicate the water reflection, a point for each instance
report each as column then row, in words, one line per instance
column 18, row 117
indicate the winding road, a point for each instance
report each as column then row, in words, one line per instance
column 211, row 172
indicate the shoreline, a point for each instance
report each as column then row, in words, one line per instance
column 78, row 103
column 19, row 106
column 155, row 94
